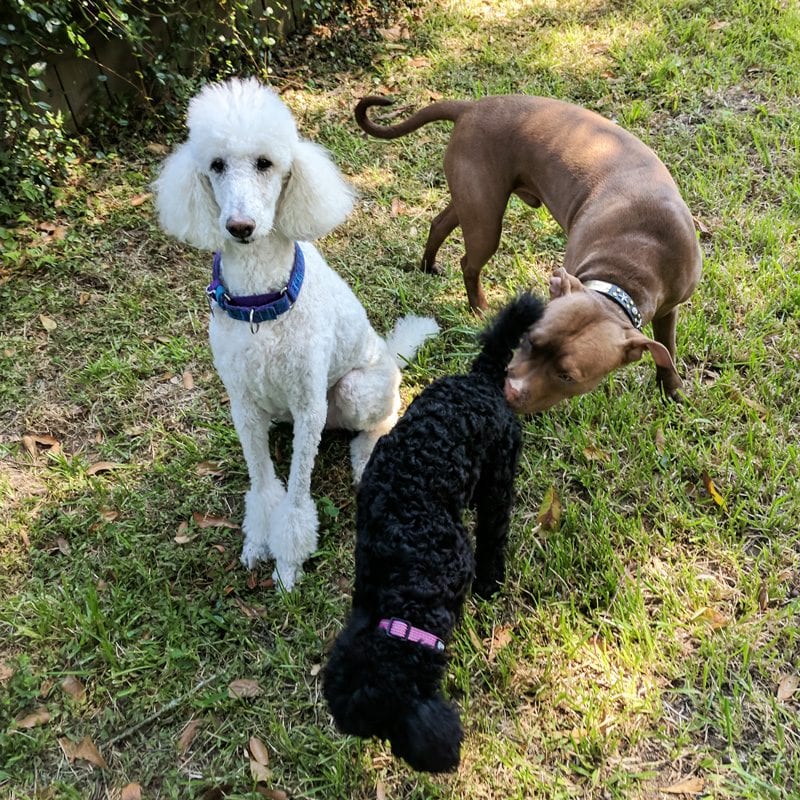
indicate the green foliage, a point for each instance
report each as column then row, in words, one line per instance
column 174, row 45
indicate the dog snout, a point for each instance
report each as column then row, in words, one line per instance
column 240, row 227
column 512, row 391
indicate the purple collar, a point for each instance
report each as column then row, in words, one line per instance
column 256, row 308
column 400, row 629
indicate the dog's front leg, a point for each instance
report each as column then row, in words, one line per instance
column 266, row 490
column 493, row 498
column 293, row 525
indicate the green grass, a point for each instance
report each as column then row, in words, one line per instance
column 639, row 643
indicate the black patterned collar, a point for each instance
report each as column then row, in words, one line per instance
column 620, row 297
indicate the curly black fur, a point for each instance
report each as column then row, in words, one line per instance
column 456, row 446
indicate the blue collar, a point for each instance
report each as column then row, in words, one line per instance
column 256, row 308
column 620, row 297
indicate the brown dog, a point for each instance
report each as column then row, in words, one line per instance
column 632, row 254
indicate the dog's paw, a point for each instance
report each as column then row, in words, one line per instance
column 360, row 450
column 486, row 586
column 253, row 552
column 286, row 575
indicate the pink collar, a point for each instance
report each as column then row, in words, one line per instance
column 400, row 629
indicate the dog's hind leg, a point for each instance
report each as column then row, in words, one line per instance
column 481, row 216
column 366, row 400
column 266, row 490
column 441, row 227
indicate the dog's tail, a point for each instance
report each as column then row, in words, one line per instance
column 449, row 110
column 501, row 337
column 408, row 335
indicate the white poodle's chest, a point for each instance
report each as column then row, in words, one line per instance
column 282, row 363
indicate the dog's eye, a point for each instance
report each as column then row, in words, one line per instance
column 218, row 166
column 566, row 377
column 263, row 164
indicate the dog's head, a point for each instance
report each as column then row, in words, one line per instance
column 577, row 342
column 390, row 689
column 244, row 172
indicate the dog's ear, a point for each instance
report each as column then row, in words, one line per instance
column 563, row 284
column 637, row 343
column 429, row 736
column 185, row 203
column 316, row 197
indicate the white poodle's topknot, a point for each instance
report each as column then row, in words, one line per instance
column 236, row 115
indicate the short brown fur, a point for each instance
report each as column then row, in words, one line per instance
column 625, row 221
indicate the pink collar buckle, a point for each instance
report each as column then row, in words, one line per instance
column 400, row 629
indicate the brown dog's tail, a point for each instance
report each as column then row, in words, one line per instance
column 449, row 110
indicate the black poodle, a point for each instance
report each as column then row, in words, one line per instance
column 456, row 446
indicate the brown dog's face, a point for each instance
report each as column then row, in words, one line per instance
column 567, row 353
column 570, row 350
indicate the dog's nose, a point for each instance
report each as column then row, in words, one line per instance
column 240, row 227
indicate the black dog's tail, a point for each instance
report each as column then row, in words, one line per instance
column 501, row 337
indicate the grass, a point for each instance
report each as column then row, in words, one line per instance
column 639, row 643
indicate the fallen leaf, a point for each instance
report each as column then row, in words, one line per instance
column 244, row 687
column 216, row 792
column 315, row 670
column 187, row 734
column 712, row 490
column 787, row 687
column 41, row 716
column 84, row 750
column 207, row 521
column 259, row 772
column 718, row 25
column 398, row 207
column 763, row 596
column 102, row 466
column 31, row 440
column 74, row 688
column 258, row 750
column 187, row 380
column 419, row 61
column 157, row 148
column 686, row 786
column 108, row 514
column 252, row 580
column 133, row 791
column 660, row 440
column 593, row 454
column 46, row 687
column 183, row 536
column 138, row 199
column 208, row 468
column 501, row 636
column 550, row 510
column 63, row 546
column 6, row 673
column 714, row 618
column 48, row 323
column 54, row 232
column 272, row 794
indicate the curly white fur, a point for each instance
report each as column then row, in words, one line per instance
column 244, row 183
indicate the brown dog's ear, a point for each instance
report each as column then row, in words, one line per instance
column 562, row 284
column 635, row 346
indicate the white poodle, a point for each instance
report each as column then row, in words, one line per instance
column 289, row 339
